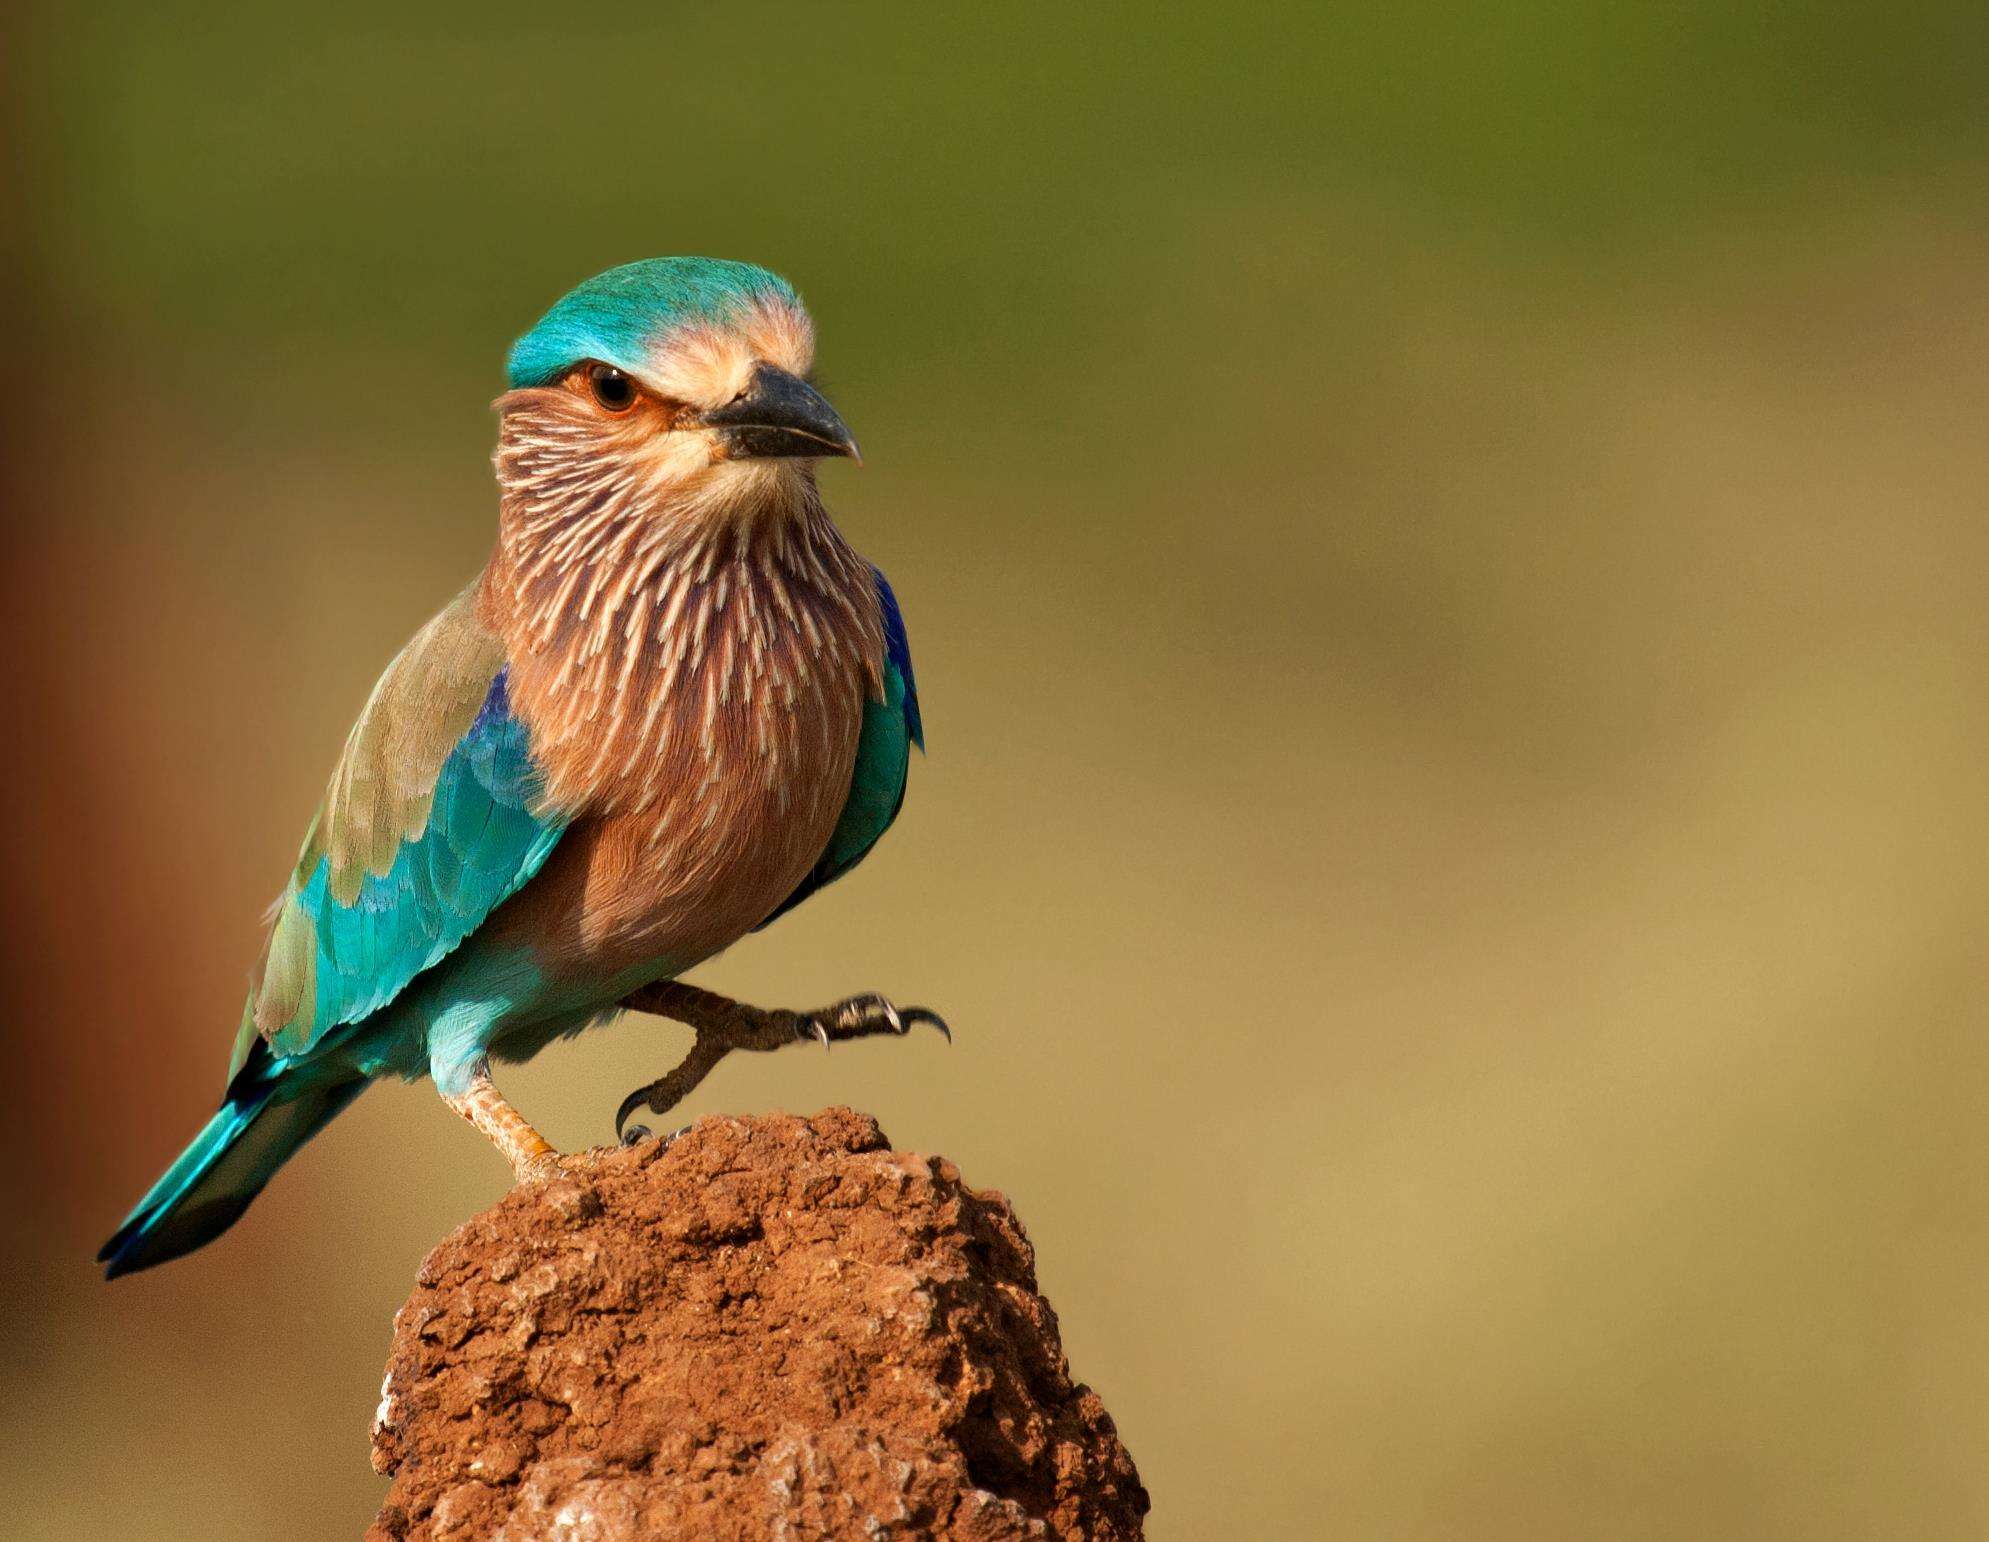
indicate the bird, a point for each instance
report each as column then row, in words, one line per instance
column 674, row 704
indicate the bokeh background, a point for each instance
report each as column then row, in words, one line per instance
column 1446, row 554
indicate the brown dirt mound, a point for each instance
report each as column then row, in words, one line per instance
column 773, row 1327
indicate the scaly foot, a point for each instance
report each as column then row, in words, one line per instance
column 724, row 1025
column 531, row 1156
column 541, row 1169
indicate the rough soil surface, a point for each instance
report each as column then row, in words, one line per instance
column 774, row 1327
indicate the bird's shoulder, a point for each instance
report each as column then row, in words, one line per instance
column 432, row 816
column 445, row 685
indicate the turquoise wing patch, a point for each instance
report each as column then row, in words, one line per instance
column 428, row 827
column 481, row 844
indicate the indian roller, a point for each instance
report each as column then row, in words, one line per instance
column 673, row 705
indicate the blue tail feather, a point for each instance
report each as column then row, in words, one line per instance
column 213, row 1181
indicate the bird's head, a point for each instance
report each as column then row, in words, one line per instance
column 678, row 378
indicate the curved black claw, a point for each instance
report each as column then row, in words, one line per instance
column 927, row 1015
column 634, row 1132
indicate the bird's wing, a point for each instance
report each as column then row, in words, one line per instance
column 883, row 755
column 431, row 820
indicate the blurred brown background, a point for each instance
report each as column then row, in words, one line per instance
column 1445, row 551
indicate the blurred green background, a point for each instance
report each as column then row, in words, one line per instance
column 1445, row 549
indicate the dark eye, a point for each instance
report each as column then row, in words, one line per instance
column 611, row 388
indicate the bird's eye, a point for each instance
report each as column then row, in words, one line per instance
column 611, row 388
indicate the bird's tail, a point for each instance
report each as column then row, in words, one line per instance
column 260, row 1125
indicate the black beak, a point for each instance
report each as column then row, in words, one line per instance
column 780, row 414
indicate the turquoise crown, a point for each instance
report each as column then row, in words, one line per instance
column 614, row 315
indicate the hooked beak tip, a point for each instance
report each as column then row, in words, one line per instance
column 782, row 416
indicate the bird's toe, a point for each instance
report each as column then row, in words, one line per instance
column 869, row 1014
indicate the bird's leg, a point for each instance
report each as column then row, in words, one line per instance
column 530, row 1154
column 723, row 1025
